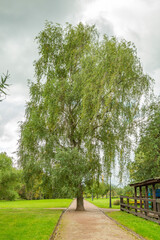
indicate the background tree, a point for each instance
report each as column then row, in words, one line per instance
column 147, row 155
column 125, row 191
column 86, row 96
column 97, row 188
column 33, row 178
column 9, row 179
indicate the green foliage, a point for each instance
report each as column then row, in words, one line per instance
column 86, row 97
column 128, row 191
column 9, row 178
column 71, row 171
column 100, row 189
column 104, row 188
column 115, row 191
column 97, row 189
column 147, row 156
column 3, row 85
column 116, row 202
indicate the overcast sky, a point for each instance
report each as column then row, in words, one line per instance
column 20, row 21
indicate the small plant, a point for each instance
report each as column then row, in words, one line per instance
column 116, row 202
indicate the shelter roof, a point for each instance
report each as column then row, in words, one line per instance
column 146, row 182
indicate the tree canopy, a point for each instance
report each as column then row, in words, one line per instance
column 9, row 178
column 85, row 98
column 147, row 155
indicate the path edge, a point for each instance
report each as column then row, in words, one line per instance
column 58, row 223
column 121, row 225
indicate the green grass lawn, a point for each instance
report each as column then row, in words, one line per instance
column 45, row 203
column 147, row 229
column 103, row 202
column 28, row 220
column 27, row 224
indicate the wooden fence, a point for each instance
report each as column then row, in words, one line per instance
column 143, row 207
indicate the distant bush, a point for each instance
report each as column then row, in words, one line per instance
column 12, row 195
column 9, row 178
column 116, row 202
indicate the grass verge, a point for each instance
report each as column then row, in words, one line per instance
column 144, row 228
column 45, row 203
column 35, row 224
column 29, row 219
column 103, row 202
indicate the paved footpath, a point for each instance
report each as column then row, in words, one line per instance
column 91, row 224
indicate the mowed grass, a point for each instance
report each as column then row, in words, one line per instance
column 103, row 202
column 30, row 219
column 45, row 203
column 33, row 224
column 146, row 229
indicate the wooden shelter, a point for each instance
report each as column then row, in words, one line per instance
column 146, row 200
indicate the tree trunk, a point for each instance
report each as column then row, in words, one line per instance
column 80, row 203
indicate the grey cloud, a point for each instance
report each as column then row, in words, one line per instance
column 147, row 41
column 8, row 112
column 20, row 16
column 104, row 26
column 20, row 22
column 18, row 56
column 140, row 23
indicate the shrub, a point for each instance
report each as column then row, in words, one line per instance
column 116, row 202
column 12, row 195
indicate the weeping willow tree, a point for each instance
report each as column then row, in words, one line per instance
column 82, row 106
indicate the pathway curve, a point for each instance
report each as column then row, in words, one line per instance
column 91, row 224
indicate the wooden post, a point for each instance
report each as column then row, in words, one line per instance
column 140, row 194
column 154, row 197
column 121, row 202
column 135, row 200
column 158, row 210
column 146, row 196
column 128, row 203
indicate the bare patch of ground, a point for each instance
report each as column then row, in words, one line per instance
column 91, row 224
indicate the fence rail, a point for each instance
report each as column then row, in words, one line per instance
column 143, row 207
